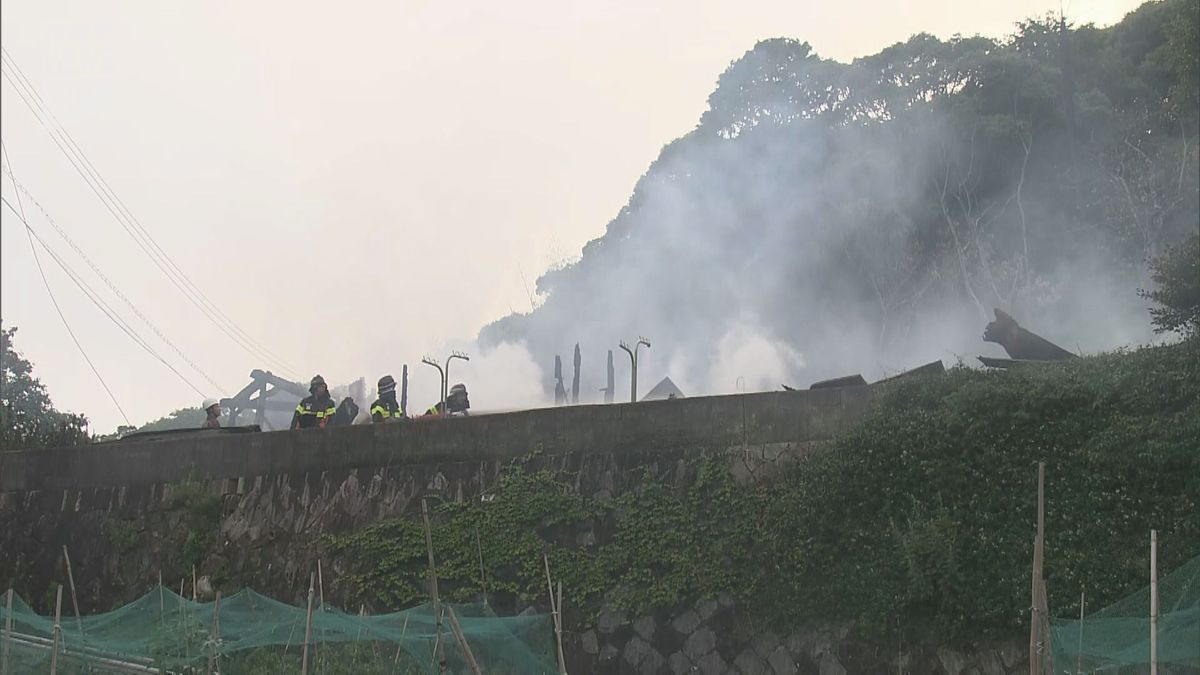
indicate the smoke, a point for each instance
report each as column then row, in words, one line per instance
column 785, row 240
column 499, row 377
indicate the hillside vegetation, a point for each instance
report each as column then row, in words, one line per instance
column 827, row 218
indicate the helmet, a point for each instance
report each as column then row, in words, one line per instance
column 209, row 403
column 459, row 388
column 387, row 384
column 317, row 380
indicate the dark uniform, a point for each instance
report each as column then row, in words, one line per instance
column 313, row 412
column 385, row 408
column 317, row 409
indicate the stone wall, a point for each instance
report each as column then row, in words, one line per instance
column 251, row 507
column 124, row 513
column 714, row 636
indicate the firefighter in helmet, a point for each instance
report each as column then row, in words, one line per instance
column 457, row 404
column 316, row 410
column 386, row 408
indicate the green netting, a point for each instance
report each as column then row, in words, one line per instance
column 163, row 632
column 1116, row 639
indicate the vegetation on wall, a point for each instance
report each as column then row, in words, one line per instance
column 920, row 521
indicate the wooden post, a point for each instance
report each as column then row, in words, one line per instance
column 320, row 587
column 562, row 663
column 1153, row 602
column 8, row 622
column 214, row 635
column 456, row 627
column 1035, row 618
column 403, row 630
column 74, row 598
column 320, row 608
column 482, row 575
column 57, row 632
column 562, row 659
column 308, row 625
column 404, row 389
column 1079, row 651
column 438, row 653
column 162, row 601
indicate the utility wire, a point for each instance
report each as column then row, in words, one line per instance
column 99, row 302
column 196, row 294
column 110, row 284
column 53, row 300
column 117, row 208
column 112, row 203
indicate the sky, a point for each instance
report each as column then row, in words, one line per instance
column 357, row 188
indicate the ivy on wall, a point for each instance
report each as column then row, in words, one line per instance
column 919, row 521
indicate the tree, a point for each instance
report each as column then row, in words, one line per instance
column 1177, row 275
column 27, row 416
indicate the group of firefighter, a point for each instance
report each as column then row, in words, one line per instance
column 318, row 410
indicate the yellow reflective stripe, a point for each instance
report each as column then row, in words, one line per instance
column 381, row 410
column 328, row 412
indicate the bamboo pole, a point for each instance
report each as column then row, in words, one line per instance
column 320, row 608
column 320, row 587
column 187, row 642
column 456, row 627
column 214, row 635
column 308, row 625
column 1035, row 618
column 34, row 642
column 194, row 594
column 438, row 652
column 8, row 622
column 562, row 659
column 57, row 632
column 403, row 630
column 1079, row 650
column 1153, row 602
column 74, row 597
column 482, row 576
column 562, row 663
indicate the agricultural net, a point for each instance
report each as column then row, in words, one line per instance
column 1116, row 639
column 250, row 633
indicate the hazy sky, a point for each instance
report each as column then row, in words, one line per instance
column 357, row 187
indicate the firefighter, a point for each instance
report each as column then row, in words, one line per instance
column 385, row 408
column 212, row 411
column 317, row 410
column 456, row 402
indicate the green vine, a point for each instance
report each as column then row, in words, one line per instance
column 201, row 521
column 917, row 521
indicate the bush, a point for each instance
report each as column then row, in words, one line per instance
column 1177, row 275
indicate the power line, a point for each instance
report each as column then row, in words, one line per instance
column 96, row 300
column 53, row 300
column 110, row 284
column 173, row 271
column 112, row 203
column 117, row 208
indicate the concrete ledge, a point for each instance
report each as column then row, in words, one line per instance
column 748, row 419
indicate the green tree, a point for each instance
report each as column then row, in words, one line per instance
column 1177, row 275
column 27, row 416
column 184, row 418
